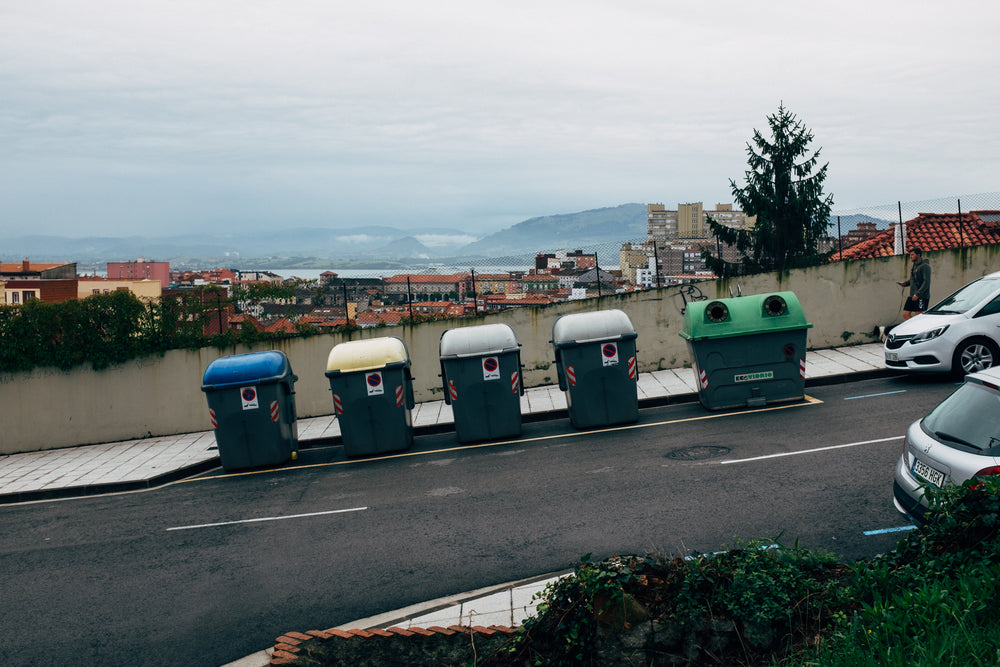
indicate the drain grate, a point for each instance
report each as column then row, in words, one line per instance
column 698, row 453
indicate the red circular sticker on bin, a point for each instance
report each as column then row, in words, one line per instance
column 249, row 394
column 610, row 349
column 490, row 364
column 375, row 379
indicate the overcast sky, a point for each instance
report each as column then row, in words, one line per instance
column 123, row 117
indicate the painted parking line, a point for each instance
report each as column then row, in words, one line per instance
column 807, row 401
column 883, row 531
column 268, row 518
column 812, row 451
column 884, row 393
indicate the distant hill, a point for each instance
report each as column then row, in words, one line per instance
column 595, row 230
column 570, row 230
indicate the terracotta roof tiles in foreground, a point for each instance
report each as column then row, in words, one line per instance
column 931, row 231
column 418, row 646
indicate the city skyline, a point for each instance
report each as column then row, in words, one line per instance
column 183, row 117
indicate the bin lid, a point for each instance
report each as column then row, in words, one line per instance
column 367, row 355
column 243, row 368
column 591, row 327
column 743, row 315
column 478, row 340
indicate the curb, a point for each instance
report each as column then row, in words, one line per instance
column 429, row 429
column 109, row 487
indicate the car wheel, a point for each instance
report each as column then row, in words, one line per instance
column 975, row 354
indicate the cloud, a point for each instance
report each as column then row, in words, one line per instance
column 192, row 115
column 439, row 240
column 362, row 239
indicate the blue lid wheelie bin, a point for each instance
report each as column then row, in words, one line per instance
column 372, row 395
column 596, row 367
column 748, row 350
column 251, row 400
column 481, row 374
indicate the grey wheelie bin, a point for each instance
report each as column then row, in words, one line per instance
column 251, row 400
column 372, row 395
column 481, row 374
column 596, row 367
column 748, row 350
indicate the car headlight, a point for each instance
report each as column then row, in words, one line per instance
column 928, row 335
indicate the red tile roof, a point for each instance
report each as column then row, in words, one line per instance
column 428, row 278
column 425, row 642
column 931, row 231
column 284, row 325
column 33, row 267
column 372, row 318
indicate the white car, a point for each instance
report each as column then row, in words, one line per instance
column 960, row 334
column 956, row 441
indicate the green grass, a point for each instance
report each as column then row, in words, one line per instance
column 931, row 601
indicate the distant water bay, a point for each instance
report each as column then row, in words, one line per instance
column 314, row 274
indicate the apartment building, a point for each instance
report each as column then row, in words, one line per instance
column 690, row 221
column 21, row 282
column 140, row 269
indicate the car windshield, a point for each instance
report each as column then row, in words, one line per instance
column 968, row 297
column 970, row 418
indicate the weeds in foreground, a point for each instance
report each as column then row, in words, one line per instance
column 931, row 601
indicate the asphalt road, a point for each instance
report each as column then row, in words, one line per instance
column 207, row 570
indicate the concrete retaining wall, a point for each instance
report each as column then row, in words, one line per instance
column 49, row 408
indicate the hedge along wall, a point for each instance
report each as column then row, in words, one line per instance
column 49, row 408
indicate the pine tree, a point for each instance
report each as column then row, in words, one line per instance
column 786, row 196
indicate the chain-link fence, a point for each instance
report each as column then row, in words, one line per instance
column 330, row 300
column 470, row 286
column 853, row 225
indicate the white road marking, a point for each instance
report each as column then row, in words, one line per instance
column 884, row 393
column 270, row 518
column 883, row 531
column 812, row 451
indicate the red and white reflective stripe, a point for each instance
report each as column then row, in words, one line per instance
column 571, row 375
column 399, row 396
column 338, row 405
column 802, row 368
column 452, row 390
column 215, row 422
column 274, row 411
column 703, row 378
column 631, row 368
column 514, row 381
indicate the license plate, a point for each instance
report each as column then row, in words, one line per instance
column 891, row 356
column 924, row 471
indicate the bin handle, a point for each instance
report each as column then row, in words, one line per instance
column 444, row 385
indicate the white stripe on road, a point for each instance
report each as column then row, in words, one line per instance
column 812, row 451
column 884, row 393
column 883, row 531
column 270, row 518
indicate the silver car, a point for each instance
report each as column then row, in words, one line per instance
column 961, row 334
column 956, row 441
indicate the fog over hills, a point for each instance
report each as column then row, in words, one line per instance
column 378, row 246
column 368, row 244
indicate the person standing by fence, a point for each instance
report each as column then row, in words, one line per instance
column 919, row 284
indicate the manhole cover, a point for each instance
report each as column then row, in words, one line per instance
column 699, row 453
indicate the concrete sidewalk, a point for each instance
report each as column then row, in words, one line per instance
column 140, row 464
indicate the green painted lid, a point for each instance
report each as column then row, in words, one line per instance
column 743, row 316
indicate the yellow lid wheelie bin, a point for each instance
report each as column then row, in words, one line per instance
column 372, row 395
